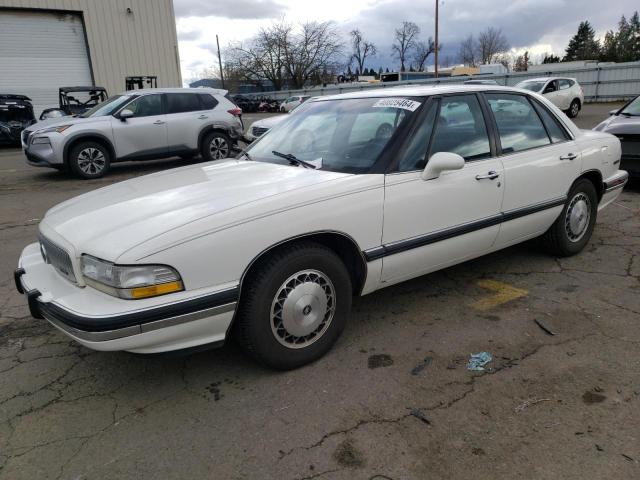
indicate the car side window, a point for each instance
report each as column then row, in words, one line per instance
column 554, row 129
column 415, row 156
column 564, row 84
column 208, row 102
column 183, row 102
column 460, row 128
column 552, row 86
column 519, row 125
column 146, row 106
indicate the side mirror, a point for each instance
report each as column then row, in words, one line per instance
column 440, row 162
column 124, row 114
column 549, row 89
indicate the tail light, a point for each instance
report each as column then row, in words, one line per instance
column 236, row 112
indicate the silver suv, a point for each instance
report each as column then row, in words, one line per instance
column 137, row 125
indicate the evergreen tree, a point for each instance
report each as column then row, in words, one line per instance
column 551, row 58
column 609, row 51
column 583, row 45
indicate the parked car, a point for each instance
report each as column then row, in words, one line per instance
column 624, row 123
column 293, row 102
column 16, row 114
column 353, row 193
column 564, row 93
column 481, row 82
column 137, row 125
column 262, row 126
column 75, row 101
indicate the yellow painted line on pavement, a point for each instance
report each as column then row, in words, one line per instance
column 503, row 293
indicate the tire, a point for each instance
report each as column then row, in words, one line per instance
column 216, row 146
column 89, row 160
column 574, row 109
column 276, row 324
column 571, row 231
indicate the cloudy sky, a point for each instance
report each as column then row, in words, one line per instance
column 539, row 26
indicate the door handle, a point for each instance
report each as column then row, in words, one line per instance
column 158, row 122
column 569, row 156
column 492, row 175
column 202, row 117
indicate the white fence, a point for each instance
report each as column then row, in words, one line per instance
column 605, row 83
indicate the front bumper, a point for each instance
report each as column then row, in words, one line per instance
column 189, row 322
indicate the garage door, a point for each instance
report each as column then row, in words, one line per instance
column 40, row 52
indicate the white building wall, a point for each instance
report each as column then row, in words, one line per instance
column 121, row 44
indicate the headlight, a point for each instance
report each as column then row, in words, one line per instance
column 130, row 281
column 39, row 140
column 58, row 129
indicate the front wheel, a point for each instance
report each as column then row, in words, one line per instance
column 294, row 306
column 572, row 230
column 89, row 160
column 216, row 146
column 574, row 109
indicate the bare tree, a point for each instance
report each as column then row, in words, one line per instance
column 361, row 49
column 286, row 55
column 315, row 49
column 422, row 52
column 491, row 45
column 405, row 40
column 467, row 52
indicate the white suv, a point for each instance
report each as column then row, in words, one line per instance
column 137, row 125
column 293, row 102
column 564, row 93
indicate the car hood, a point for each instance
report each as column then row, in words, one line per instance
column 111, row 220
column 67, row 120
column 620, row 124
column 269, row 121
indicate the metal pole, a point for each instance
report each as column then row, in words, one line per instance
column 436, row 50
column 220, row 62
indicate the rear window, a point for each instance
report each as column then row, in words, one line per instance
column 208, row 102
column 183, row 102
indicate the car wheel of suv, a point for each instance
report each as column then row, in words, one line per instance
column 89, row 160
column 574, row 109
column 216, row 146
column 294, row 306
column 573, row 228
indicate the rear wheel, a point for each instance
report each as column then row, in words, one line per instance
column 294, row 306
column 89, row 160
column 574, row 109
column 573, row 228
column 216, row 146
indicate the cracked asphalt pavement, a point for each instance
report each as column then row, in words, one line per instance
column 392, row 400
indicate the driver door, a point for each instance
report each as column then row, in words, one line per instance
column 552, row 93
column 144, row 134
column 439, row 222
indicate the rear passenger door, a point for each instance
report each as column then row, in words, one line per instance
column 187, row 115
column 540, row 160
column 434, row 223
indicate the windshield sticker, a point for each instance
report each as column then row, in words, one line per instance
column 403, row 103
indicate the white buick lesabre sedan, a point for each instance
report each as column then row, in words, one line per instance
column 353, row 193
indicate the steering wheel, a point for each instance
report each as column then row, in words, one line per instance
column 384, row 132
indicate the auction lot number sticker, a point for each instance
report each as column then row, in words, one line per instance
column 403, row 103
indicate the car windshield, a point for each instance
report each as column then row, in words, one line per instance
column 533, row 86
column 336, row 135
column 633, row 108
column 107, row 107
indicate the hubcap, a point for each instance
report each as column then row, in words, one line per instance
column 574, row 109
column 219, row 148
column 91, row 161
column 302, row 309
column 578, row 217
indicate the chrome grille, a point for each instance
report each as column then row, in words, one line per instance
column 57, row 257
column 258, row 131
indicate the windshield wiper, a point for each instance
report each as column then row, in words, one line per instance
column 293, row 159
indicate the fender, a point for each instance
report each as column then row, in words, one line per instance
column 88, row 135
column 215, row 126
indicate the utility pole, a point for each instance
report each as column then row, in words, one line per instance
column 436, row 51
column 220, row 62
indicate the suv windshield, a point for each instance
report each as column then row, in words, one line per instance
column 107, row 107
column 532, row 86
column 336, row 135
column 632, row 108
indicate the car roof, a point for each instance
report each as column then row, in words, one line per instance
column 544, row 79
column 418, row 91
column 13, row 96
column 143, row 91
